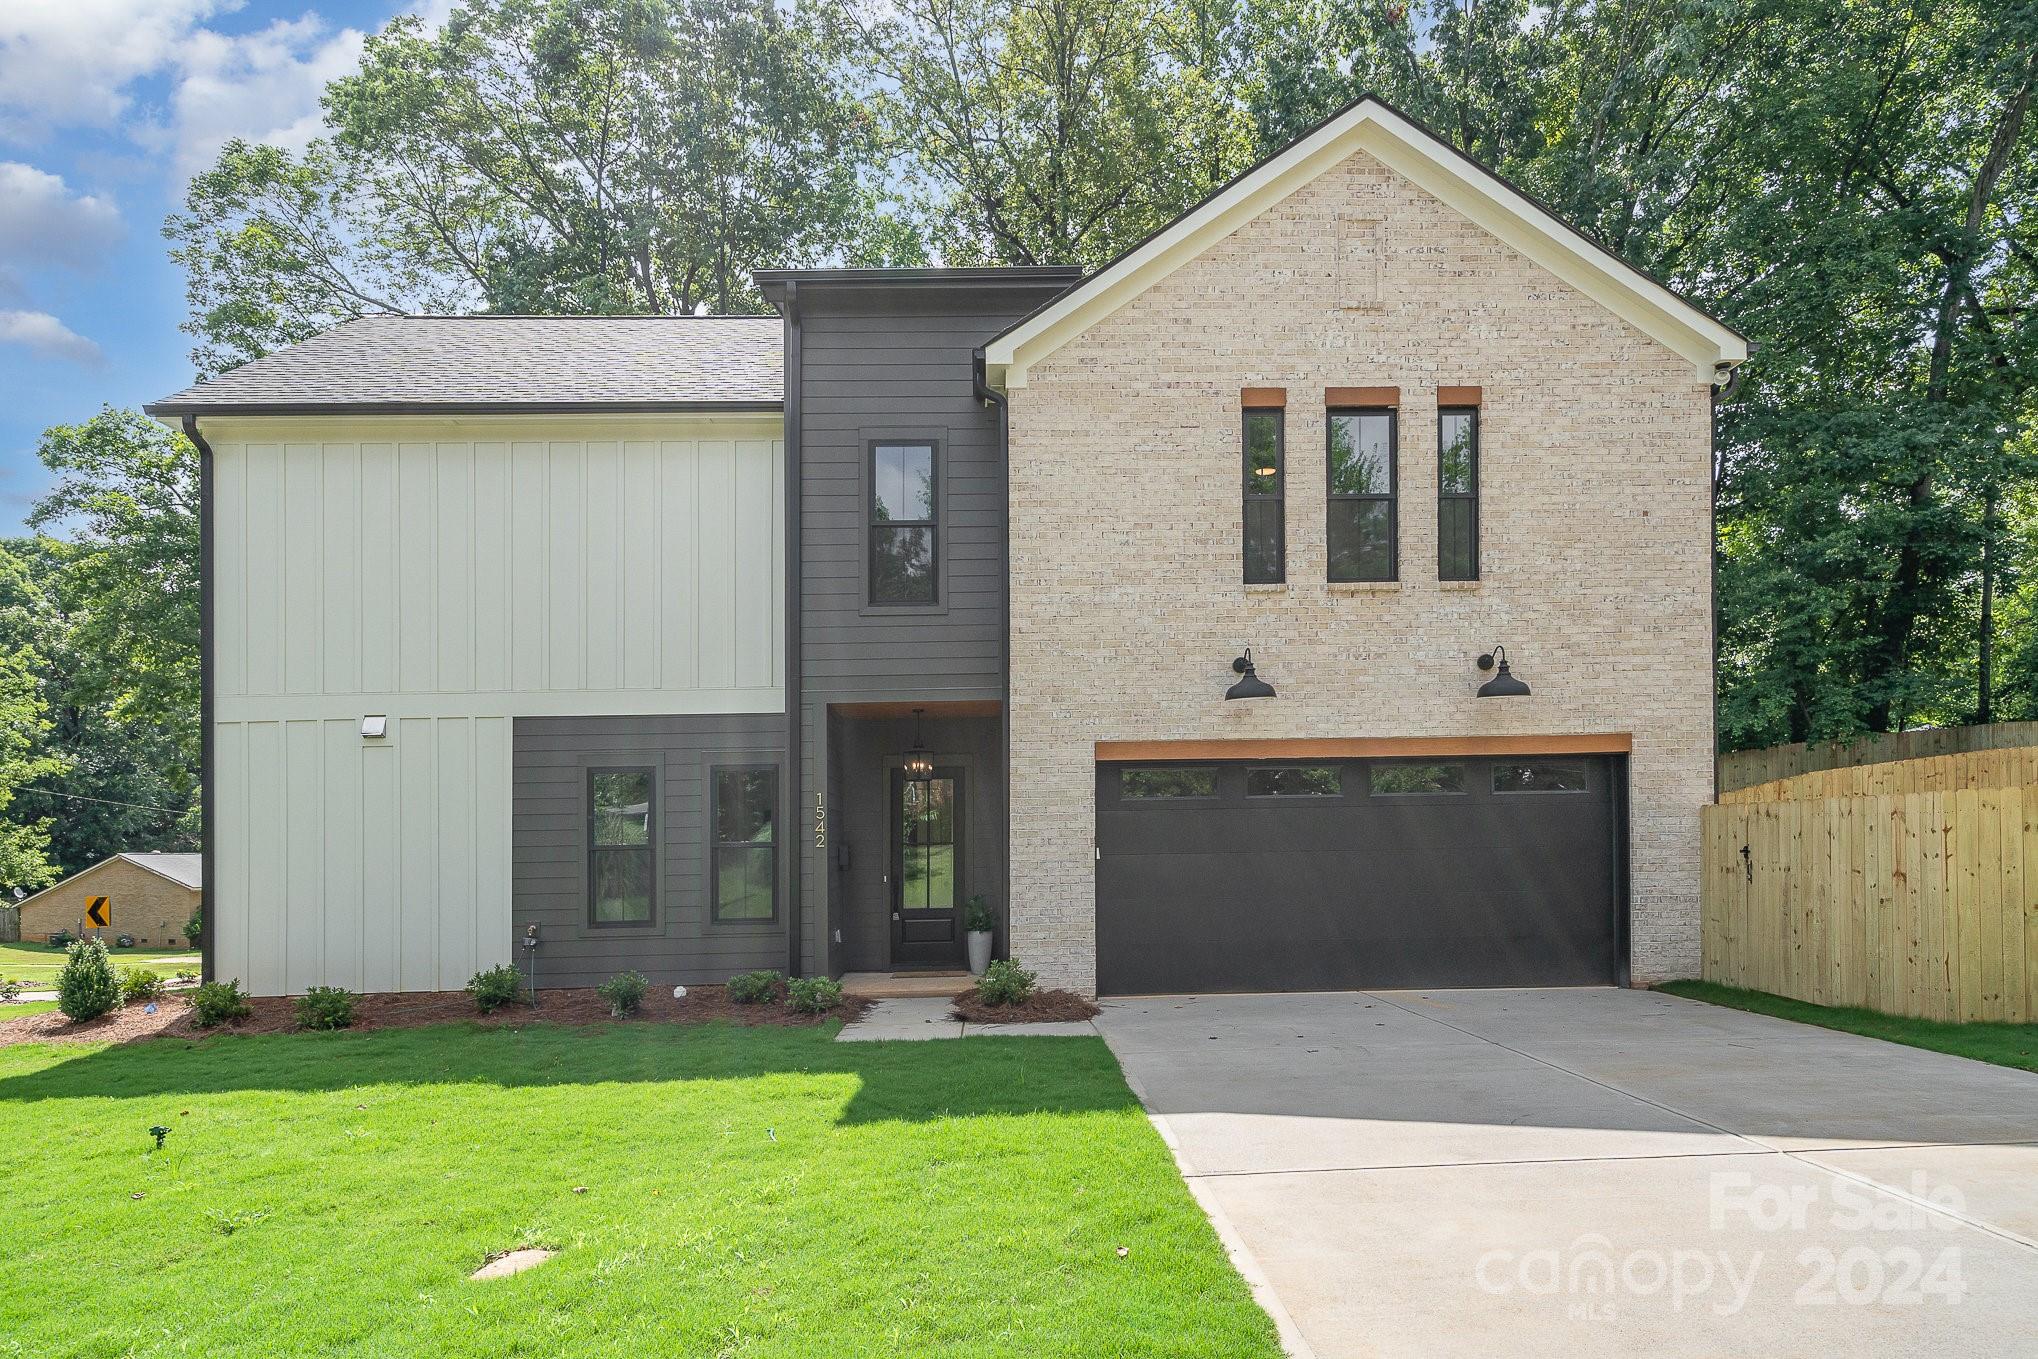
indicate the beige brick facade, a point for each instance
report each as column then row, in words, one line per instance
column 145, row 904
column 1127, row 605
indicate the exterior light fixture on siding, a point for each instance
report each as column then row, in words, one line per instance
column 374, row 727
column 919, row 764
column 1249, row 685
column 1503, row 684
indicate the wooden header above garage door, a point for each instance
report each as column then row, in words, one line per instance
column 1367, row 747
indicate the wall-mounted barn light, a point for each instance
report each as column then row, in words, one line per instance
column 1249, row 685
column 1503, row 684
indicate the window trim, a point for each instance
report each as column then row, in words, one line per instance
column 871, row 523
column 1471, row 497
column 1248, row 495
column 1392, row 498
column 714, row 800
column 594, row 846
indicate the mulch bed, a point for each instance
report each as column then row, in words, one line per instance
column 1042, row 1007
column 411, row 1010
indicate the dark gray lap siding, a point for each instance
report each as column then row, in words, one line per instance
column 549, row 884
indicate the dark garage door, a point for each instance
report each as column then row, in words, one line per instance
column 1357, row 874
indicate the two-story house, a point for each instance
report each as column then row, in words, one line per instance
column 711, row 643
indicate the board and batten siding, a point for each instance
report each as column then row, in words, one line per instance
column 454, row 575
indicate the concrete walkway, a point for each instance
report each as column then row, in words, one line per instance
column 1582, row 1173
column 923, row 1017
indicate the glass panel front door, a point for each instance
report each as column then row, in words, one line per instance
column 926, row 868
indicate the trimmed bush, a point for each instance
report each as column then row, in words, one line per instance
column 62, row 939
column 496, row 987
column 219, row 1002
column 123, row 941
column 1004, row 983
column 140, row 984
column 87, row 987
column 624, row 992
column 10, row 990
column 194, row 928
column 325, row 1007
column 753, row 988
column 812, row 995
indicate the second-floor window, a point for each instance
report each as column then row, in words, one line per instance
column 904, row 527
column 1458, row 493
column 1265, row 526
column 1361, row 512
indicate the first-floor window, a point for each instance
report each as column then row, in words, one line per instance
column 745, row 850
column 622, row 809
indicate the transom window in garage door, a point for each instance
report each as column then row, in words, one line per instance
column 1544, row 776
column 1169, row 781
column 1401, row 777
column 1292, row 780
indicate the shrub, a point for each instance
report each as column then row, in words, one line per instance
column 624, row 992
column 10, row 991
column 812, row 995
column 750, row 988
column 1004, row 983
column 140, row 984
column 976, row 915
column 123, row 941
column 194, row 928
column 62, row 939
column 496, row 987
column 185, row 976
column 217, row 1002
column 325, row 1007
column 87, row 987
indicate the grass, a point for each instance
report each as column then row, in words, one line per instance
column 747, row 1192
column 27, row 1007
column 38, row 964
column 2003, row 1044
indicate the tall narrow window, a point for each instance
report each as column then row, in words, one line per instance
column 1458, row 493
column 903, row 523
column 745, row 850
column 1361, row 515
column 1265, row 520
column 622, row 808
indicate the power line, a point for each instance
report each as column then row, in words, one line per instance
column 103, row 801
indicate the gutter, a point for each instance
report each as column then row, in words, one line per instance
column 991, row 396
column 208, row 760
column 163, row 410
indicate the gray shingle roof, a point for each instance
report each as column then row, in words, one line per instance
column 185, row 869
column 507, row 363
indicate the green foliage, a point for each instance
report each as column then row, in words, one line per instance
column 812, row 995
column 87, row 987
column 139, row 984
column 194, row 928
column 10, row 990
column 496, row 987
column 325, row 1007
column 977, row 916
column 1004, row 983
column 751, row 988
column 624, row 992
column 219, row 1002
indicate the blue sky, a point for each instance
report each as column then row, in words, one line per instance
column 106, row 109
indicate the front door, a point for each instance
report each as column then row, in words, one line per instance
column 926, row 869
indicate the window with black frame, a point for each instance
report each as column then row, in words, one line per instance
column 904, row 523
column 1361, row 515
column 744, row 818
column 1458, row 493
column 1263, row 437
column 622, row 809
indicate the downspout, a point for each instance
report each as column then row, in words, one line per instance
column 207, row 759
column 794, row 705
column 990, row 396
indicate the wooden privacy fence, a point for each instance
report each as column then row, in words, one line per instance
column 1916, row 903
column 2008, row 768
column 1743, row 768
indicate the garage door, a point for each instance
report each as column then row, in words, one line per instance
column 1357, row 874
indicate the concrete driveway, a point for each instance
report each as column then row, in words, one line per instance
column 1595, row 1172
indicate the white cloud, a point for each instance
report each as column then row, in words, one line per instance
column 47, row 337
column 43, row 222
column 71, row 62
column 263, row 86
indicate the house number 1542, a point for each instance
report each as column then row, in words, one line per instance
column 820, row 823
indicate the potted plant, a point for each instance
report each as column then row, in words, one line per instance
column 978, row 920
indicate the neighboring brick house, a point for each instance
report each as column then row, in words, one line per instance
column 152, row 897
column 712, row 643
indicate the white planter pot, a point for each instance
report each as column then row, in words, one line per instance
column 979, row 951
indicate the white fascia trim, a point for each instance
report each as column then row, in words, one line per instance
column 1419, row 157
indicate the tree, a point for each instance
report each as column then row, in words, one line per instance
column 589, row 156
column 24, row 725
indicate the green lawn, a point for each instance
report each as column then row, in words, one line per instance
column 747, row 1192
column 2004, row 1044
column 38, row 964
column 27, row 1007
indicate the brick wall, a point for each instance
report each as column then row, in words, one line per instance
column 1127, row 605
column 146, row 905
